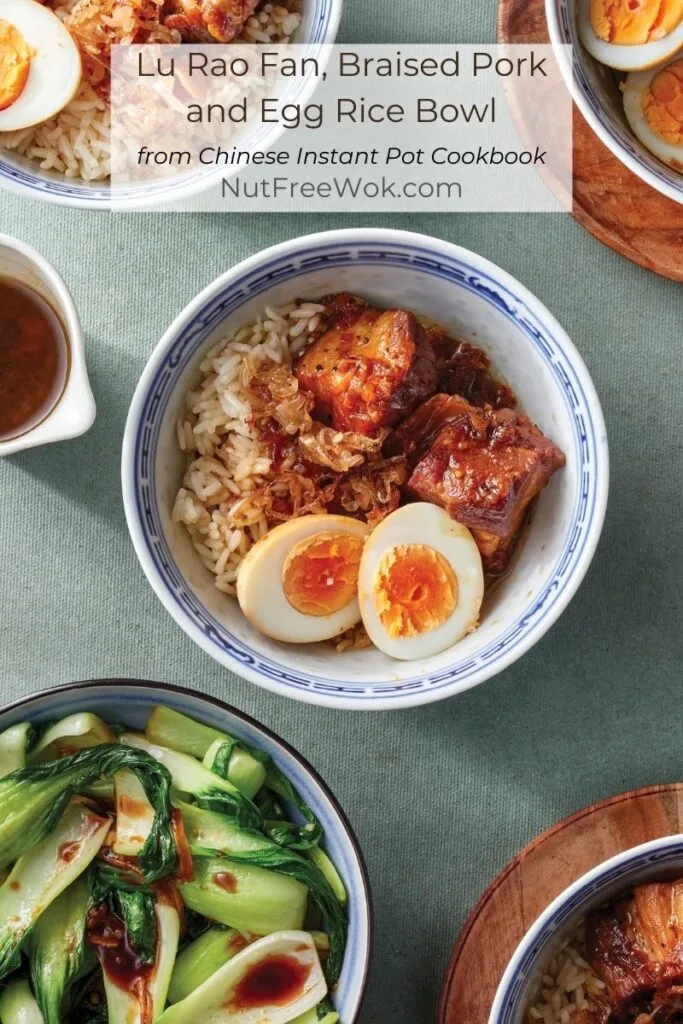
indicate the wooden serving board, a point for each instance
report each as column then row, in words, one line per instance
column 539, row 873
column 609, row 200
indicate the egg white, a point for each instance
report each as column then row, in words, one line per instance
column 626, row 58
column 423, row 523
column 55, row 71
column 634, row 87
column 259, row 583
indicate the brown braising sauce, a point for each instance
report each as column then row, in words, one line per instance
column 34, row 358
column 276, row 981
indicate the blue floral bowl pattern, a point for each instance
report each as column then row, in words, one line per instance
column 449, row 283
column 319, row 26
column 597, row 95
column 660, row 858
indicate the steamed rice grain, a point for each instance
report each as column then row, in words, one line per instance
column 227, row 460
column 569, row 988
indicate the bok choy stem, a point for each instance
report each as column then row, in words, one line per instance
column 45, row 871
column 14, row 744
column 169, row 728
column 57, row 947
column 201, row 958
column 248, row 898
column 18, row 1005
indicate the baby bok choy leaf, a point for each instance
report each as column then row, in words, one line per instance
column 168, row 728
column 135, row 984
column 189, row 776
column 201, row 958
column 45, row 871
column 33, row 799
column 244, row 897
column 56, row 947
column 18, row 1004
column 209, row 833
column 286, row 833
column 75, row 732
column 272, row 981
column 14, row 744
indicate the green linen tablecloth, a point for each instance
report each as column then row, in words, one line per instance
column 441, row 797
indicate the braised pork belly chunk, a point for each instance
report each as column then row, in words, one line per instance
column 208, row 21
column 369, row 369
column 483, row 465
column 636, row 948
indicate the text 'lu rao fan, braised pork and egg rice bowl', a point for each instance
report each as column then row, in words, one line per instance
column 55, row 65
column 622, row 963
column 356, row 474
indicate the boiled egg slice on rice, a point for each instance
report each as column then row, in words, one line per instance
column 631, row 35
column 40, row 64
column 653, row 104
column 298, row 583
column 421, row 582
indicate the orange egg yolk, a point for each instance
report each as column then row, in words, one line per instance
column 663, row 104
column 634, row 22
column 415, row 590
column 15, row 64
column 320, row 574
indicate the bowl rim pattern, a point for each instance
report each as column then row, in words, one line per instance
column 562, row 28
column 178, row 346
column 577, row 898
column 223, row 707
column 23, row 178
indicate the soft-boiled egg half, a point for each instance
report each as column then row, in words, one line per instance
column 40, row 64
column 653, row 104
column 298, row 583
column 631, row 35
column 421, row 582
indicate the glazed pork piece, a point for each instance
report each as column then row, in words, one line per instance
column 207, row 21
column 369, row 369
column 483, row 465
column 636, row 948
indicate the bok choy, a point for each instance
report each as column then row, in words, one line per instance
column 201, row 958
column 220, row 752
column 57, row 949
column 32, row 800
column 42, row 873
column 14, row 744
column 138, row 871
column 18, row 1004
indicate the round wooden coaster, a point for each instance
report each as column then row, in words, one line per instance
column 609, row 200
column 541, row 871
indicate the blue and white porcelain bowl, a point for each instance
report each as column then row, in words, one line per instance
column 596, row 93
column 479, row 302
column 662, row 858
column 130, row 702
column 320, row 21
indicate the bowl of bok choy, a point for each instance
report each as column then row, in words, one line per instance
column 165, row 858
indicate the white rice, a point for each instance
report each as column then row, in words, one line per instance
column 226, row 458
column 77, row 142
column 568, row 985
